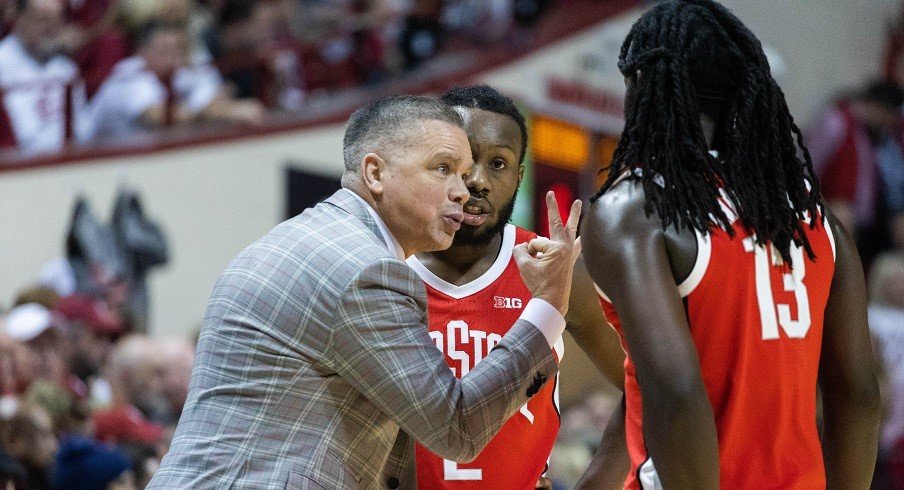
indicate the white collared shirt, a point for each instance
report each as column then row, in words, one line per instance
column 390, row 240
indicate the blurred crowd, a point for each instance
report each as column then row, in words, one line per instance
column 857, row 146
column 87, row 399
column 100, row 70
column 85, row 403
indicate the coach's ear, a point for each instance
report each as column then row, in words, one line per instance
column 373, row 171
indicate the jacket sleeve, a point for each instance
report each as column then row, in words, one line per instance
column 381, row 346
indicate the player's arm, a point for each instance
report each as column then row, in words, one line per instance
column 626, row 255
column 588, row 327
column 848, row 374
column 610, row 463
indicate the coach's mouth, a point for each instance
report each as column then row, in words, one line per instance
column 454, row 219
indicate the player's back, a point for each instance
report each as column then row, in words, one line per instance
column 757, row 326
column 466, row 322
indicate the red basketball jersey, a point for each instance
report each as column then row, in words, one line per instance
column 757, row 325
column 466, row 322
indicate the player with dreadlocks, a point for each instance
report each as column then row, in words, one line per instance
column 734, row 291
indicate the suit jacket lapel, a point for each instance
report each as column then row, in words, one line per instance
column 346, row 201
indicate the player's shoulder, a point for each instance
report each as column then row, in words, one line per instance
column 620, row 214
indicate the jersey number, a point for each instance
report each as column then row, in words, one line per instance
column 772, row 315
column 451, row 471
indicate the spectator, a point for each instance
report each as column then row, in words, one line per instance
column 482, row 22
column 181, row 14
column 93, row 40
column 237, row 42
column 93, row 329
column 135, row 96
column 178, row 357
column 858, row 152
column 34, row 78
column 55, row 401
column 136, row 377
column 422, row 35
column 886, row 320
column 18, row 368
column 34, row 327
column 28, row 438
column 83, row 464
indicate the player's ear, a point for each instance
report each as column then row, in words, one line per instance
column 373, row 171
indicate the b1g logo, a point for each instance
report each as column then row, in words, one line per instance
column 508, row 303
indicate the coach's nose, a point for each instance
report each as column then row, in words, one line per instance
column 459, row 192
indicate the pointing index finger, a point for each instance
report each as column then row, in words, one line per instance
column 556, row 229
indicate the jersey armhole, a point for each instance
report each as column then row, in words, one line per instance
column 704, row 251
column 828, row 227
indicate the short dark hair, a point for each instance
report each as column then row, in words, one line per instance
column 384, row 124
column 885, row 93
column 489, row 99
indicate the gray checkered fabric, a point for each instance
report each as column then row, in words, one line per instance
column 314, row 368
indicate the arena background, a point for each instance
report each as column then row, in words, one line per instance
column 215, row 190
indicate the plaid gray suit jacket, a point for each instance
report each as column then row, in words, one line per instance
column 314, row 368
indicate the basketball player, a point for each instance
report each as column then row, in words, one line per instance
column 474, row 288
column 733, row 289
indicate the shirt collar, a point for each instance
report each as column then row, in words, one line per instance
column 390, row 240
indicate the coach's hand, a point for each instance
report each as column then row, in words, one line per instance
column 546, row 264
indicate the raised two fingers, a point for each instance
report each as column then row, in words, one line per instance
column 557, row 230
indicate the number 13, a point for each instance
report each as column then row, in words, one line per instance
column 772, row 315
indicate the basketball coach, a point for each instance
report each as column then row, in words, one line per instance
column 314, row 367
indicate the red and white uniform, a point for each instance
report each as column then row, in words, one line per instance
column 466, row 322
column 757, row 325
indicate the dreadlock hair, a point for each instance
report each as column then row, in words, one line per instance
column 489, row 99
column 693, row 57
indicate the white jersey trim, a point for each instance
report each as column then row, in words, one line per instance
column 648, row 476
column 475, row 286
column 600, row 292
column 828, row 227
column 704, row 252
column 701, row 264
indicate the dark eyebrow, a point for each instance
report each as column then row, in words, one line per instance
column 507, row 147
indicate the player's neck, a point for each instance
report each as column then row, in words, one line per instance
column 461, row 264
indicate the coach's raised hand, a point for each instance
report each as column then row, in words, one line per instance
column 546, row 264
